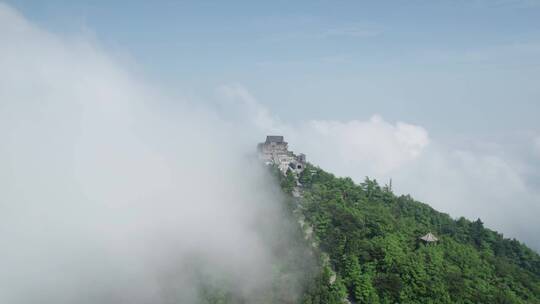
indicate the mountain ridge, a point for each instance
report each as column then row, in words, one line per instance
column 372, row 239
column 341, row 242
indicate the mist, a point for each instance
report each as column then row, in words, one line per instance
column 111, row 192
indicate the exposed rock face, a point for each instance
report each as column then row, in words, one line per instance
column 276, row 151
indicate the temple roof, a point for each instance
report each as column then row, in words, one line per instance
column 274, row 138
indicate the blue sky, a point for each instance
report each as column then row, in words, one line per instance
column 441, row 96
column 455, row 67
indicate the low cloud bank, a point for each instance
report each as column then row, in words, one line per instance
column 110, row 193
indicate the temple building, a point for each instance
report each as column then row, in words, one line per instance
column 275, row 151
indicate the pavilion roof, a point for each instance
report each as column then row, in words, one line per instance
column 429, row 238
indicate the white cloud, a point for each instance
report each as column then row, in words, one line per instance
column 246, row 108
column 374, row 145
column 475, row 185
column 108, row 191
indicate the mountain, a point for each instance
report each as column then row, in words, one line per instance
column 372, row 239
column 361, row 243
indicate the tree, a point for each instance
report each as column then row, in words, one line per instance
column 288, row 182
column 364, row 292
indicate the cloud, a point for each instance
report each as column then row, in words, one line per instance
column 248, row 110
column 375, row 145
column 112, row 193
column 476, row 183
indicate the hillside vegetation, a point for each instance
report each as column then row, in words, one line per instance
column 341, row 242
column 372, row 239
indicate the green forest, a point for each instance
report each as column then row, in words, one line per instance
column 365, row 247
column 372, row 238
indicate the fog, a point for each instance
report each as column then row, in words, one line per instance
column 113, row 193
